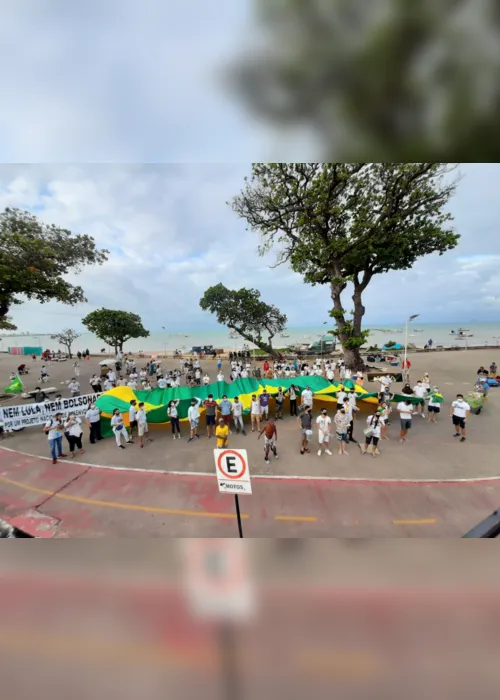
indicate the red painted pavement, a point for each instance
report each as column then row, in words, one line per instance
column 44, row 500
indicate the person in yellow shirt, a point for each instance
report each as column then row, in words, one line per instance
column 221, row 433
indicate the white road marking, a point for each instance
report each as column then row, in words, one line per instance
column 357, row 479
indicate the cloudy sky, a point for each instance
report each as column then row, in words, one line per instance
column 127, row 82
column 171, row 235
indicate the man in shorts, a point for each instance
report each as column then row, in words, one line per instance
column 305, row 420
column 420, row 392
column 210, row 412
column 324, row 422
column 142, row 424
column 255, row 413
column 405, row 409
column 459, row 413
column 433, row 409
column 271, row 435
column 264, row 404
column 342, row 422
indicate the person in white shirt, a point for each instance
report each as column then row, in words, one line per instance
column 174, row 418
column 74, row 387
column 342, row 374
column 159, row 372
column 73, row 432
column 54, row 429
column 426, row 381
column 238, row 415
column 324, row 422
column 307, row 397
column 206, row 380
column 107, row 384
column 162, row 383
column 118, row 429
column 459, row 412
column 341, row 394
column 132, row 418
column 244, row 374
column 330, row 375
column 385, row 382
column 76, row 368
column 420, row 392
column 347, row 373
column 194, row 417
column 142, row 425
column 121, row 381
column 93, row 417
column 197, row 364
column 360, row 377
column 134, row 375
column 220, row 377
column 143, row 373
column 132, row 384
column 111, row 376
column 373, row 436
column 255, row 413
column 292, row 395
column 95, row 383
column 197, row 376
column 384, row 410
column 405, row 414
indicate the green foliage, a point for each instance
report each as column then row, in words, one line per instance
column 385, row 79
column 390, row 344
column 66, row 338
column 245, row 312
column 35, row 256
column 115, row 327
column 343, row 223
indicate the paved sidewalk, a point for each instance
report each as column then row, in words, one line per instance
column 76, row 500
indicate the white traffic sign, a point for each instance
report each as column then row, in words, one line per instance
column 233, row 473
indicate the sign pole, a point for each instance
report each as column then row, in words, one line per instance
column 238, row 514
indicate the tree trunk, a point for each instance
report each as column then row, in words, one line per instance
column 352, row 356
column 258, row 342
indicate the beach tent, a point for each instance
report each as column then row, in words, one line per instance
column 398, row 346
column 156, row 400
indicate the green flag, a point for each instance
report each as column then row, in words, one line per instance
column 15, row 387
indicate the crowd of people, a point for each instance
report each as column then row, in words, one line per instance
column 226, row 415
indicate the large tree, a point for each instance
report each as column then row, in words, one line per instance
column 391, row 79
column 341, row 223
column 115, row 327
column 66, row 338
column 243, row 310
column 34, row 256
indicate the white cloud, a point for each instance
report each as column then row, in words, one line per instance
column 171, row 235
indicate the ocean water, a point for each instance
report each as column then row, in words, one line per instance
column 419, row 334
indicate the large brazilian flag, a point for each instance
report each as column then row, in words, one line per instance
column 156, row 400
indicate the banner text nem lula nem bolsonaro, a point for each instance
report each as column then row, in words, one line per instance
column 25, row 415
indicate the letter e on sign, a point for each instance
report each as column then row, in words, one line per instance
column 233, row 473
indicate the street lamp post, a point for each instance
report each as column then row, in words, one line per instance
column 408, row 321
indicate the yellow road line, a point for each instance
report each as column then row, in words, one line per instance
column 123, row 506
column 298, row 518
column 428, row 521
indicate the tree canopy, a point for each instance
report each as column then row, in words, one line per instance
column 385, row 79
column 115, row 327
column 34, row 256
column 66, row 338
column 341, row 223
column 243, row 311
